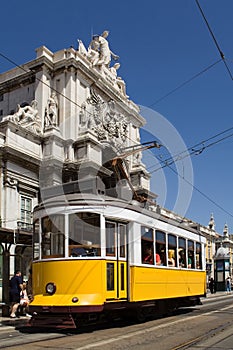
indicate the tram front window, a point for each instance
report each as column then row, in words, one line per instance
column 84, row 235
column 53, row 237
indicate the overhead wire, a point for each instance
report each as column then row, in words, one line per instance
column 168, row 164
column 214, row 39
column 193, row 149
column 163, row 97
column 185, row 83
column 202, row 71
column 202, row 193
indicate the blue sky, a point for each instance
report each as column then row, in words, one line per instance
column 161, row 44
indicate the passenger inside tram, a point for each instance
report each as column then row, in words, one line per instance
column 148, row 256
column 171, row 260
column 190, row 260
column 182, row 259
column 158, row 259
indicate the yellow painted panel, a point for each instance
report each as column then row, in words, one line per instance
column 84, row 279
column 156, row 283
column 122, row 277
column 112, row 278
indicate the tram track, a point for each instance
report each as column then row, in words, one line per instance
column 110, row 335
column 203, row 337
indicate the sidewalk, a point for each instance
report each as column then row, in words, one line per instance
column 217, row 294
column 7, row 322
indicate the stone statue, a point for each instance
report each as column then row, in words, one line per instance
column 99, row 51
column 19, row 114
column 27, row 117
column 83, row 116
column 28, row 113
column 81, row 48
column 51, row 110
column 93, row 50
column 118, row 80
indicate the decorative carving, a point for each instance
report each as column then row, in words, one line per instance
column 103, row 119
column 27, row 117
column 10, row 181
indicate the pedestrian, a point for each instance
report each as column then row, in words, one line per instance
column 24, row 301
column 228, row 284
column 16, row 286
column 212, row 285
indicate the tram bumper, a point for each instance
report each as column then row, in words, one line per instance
column 52, row 321
column 60, row 316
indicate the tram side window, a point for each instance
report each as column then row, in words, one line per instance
column 172, row 250
column 191, row 262
column 122, row 231
column 36, row 244
column 84, row 234
column 147, row 245
column 111, row 237
column 53, row 239
column 198, row 256
column 182, row 252
column 160, row 247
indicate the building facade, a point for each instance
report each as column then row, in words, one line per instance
column 64, row 117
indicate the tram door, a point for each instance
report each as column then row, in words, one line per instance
column 116, row 266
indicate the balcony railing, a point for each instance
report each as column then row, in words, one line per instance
column 24, row 226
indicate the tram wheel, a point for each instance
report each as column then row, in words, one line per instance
column 140, row 315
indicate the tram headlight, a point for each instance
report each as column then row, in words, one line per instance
column 50, row 288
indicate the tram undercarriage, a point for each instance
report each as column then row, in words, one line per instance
column 74, row 317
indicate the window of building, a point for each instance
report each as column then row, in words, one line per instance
column 1, row 97
column 26, row 213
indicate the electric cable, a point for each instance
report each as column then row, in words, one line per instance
column 202, row 193
column 193, row 149
column 214, row 39
column 178, row 87
column 185, row 82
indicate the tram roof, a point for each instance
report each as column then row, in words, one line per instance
column 87, row 199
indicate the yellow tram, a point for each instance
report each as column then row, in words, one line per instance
column 89, row 260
